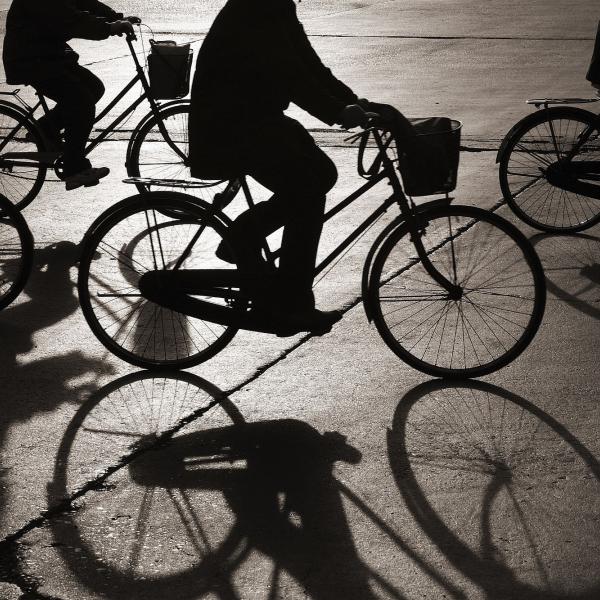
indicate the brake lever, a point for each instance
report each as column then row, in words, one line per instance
column 356, row 136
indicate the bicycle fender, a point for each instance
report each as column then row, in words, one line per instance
column 145, row 120
column 525, row 122
column 366, row 274
column 149, row 196
column 16, row 108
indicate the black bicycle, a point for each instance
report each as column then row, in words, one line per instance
column 550, row 166
column 16, row 252
column 453, row 290
column 158, row 146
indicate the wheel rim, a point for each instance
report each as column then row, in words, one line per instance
column 491, row 322
column 537, row 201
column 19, row 184
column 137, row 330
column 15, row 254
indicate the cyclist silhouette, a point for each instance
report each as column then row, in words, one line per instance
column 593, row 74
column 36, row 53
column 255, row 61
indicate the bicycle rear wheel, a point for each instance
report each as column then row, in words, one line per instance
column 16, row 252
column 498, row 313
column 19, row 184
column 541, row 140
column 145, row 233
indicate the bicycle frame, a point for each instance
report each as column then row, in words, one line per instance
column 11, row 158
column 408, row 215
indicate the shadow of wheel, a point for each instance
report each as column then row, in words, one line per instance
column 155, row 544
column 501, row 488
column 572, row 269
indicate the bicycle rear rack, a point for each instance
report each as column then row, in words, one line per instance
column 546, row 102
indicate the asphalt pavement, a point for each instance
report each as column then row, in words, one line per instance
column 316, row 467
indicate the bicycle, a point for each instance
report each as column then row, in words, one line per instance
column 157, row 146
column 16, row 252
column 549, row 166
column 465, row 286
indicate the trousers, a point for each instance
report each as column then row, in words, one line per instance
column 282, row 156
column 76, row 90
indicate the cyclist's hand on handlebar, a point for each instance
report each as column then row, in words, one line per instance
column 354, row 115
column 121, row 27
column 133, row 20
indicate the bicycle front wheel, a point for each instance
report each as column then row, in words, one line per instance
column 152, row 156
column 16, row 252
column 149, row 232
column 541, row 140
column 495, row 317
column 20, row 182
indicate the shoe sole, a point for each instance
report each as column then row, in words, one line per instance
column 70, row 188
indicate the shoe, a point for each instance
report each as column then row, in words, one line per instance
column 86, row 178
column 224, row 253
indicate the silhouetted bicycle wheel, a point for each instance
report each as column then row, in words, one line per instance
column 144, row 233
column 20, row 184
column 152, row 157
column 539, row 141
column 498, row 313
column 16, row 252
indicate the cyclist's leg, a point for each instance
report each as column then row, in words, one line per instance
column 75, row 91
column 286, row 160
column 52, row 122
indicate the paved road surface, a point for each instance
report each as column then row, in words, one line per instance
column 487, row 490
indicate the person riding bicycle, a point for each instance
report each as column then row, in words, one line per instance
column 593, row 74
column 255, row 61
column 36, row 53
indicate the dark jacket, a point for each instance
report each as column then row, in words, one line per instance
column 255, row 60
column 37, row 31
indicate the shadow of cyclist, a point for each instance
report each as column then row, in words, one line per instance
column 285, row 500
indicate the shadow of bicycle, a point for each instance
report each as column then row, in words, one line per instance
column 507, row 493
column 201, row 503
column 572, row 267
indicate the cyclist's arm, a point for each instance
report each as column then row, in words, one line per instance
column 62, row 18
column 99, row 9
column 312, row 61
column 289, row 74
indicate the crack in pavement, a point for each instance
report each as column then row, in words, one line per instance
column 99, row 482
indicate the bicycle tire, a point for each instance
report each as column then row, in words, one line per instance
column 16, row 252
column 124, row 245
column 528, row 193
column 469, row 336
column 151, row 157
column 14, row 183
